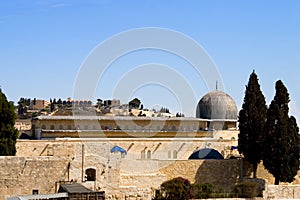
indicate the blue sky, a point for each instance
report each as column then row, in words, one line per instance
column 44, row 43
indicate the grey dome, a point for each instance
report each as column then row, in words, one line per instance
column 216, row 105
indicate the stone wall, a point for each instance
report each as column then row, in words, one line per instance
column 282, row 192
column 21, row 175
column 159, row 148
column 40, row 164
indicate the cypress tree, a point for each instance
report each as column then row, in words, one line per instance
column 8, row 133
column 281, row 141
column 252, row 119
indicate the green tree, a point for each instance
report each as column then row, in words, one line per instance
column 8, row 133
column 281, row 141
column 134, row 103
column 51, row 106
column 252, row 119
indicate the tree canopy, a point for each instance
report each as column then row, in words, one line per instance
column 8, row 133
column 281, row 141
column 134, row 103
column 252, row 119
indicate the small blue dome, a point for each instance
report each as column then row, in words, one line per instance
column 206, row 153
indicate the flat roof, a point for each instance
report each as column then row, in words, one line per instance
column 40, row 196
column 129, row 118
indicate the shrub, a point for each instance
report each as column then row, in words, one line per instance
column 246, row 189
column 175, row 189
column 202, row 191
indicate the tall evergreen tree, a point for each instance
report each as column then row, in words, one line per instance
column 8, row 133
column 281, row 142
column 252, row 119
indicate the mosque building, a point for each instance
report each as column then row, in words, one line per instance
column 124, row 155
column 215, row 125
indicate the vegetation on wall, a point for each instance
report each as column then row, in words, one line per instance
column 181, row 189
column 8, row 133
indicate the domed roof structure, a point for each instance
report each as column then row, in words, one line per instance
column 206, row 153
column 216, row 105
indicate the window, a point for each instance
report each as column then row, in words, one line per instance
column 43, row 126
column 90, row 174
column 123, row 154
column 61, row 127
column 143, row 156
column 52, row 127
column 148, row 154
column 173, row 128
column 35, row 192
column 69, row 127
column 169, row 154
column 175, row 154
column 50, row 151
column 126, row 127
column 188, row 128
column 165, row 128
column 86, row 127
column 158, row 128
column 94, row 127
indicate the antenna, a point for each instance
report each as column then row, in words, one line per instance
column 216, row 85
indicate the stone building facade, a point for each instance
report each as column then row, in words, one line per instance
column 127, row 157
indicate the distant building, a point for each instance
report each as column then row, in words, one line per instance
column 38, row 104
column 112, row 103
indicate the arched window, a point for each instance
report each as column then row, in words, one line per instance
column 158, row 128
column 165, row 128
column 175, row 154
column 52, row 127
column 61, row 127
column 94, row 127
column 148, row 154
column 86, row 127
column 188, row 128
column 43, row 126
column 90, row 174
column 69, row 127
column 143, row 154
column 123, row 154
